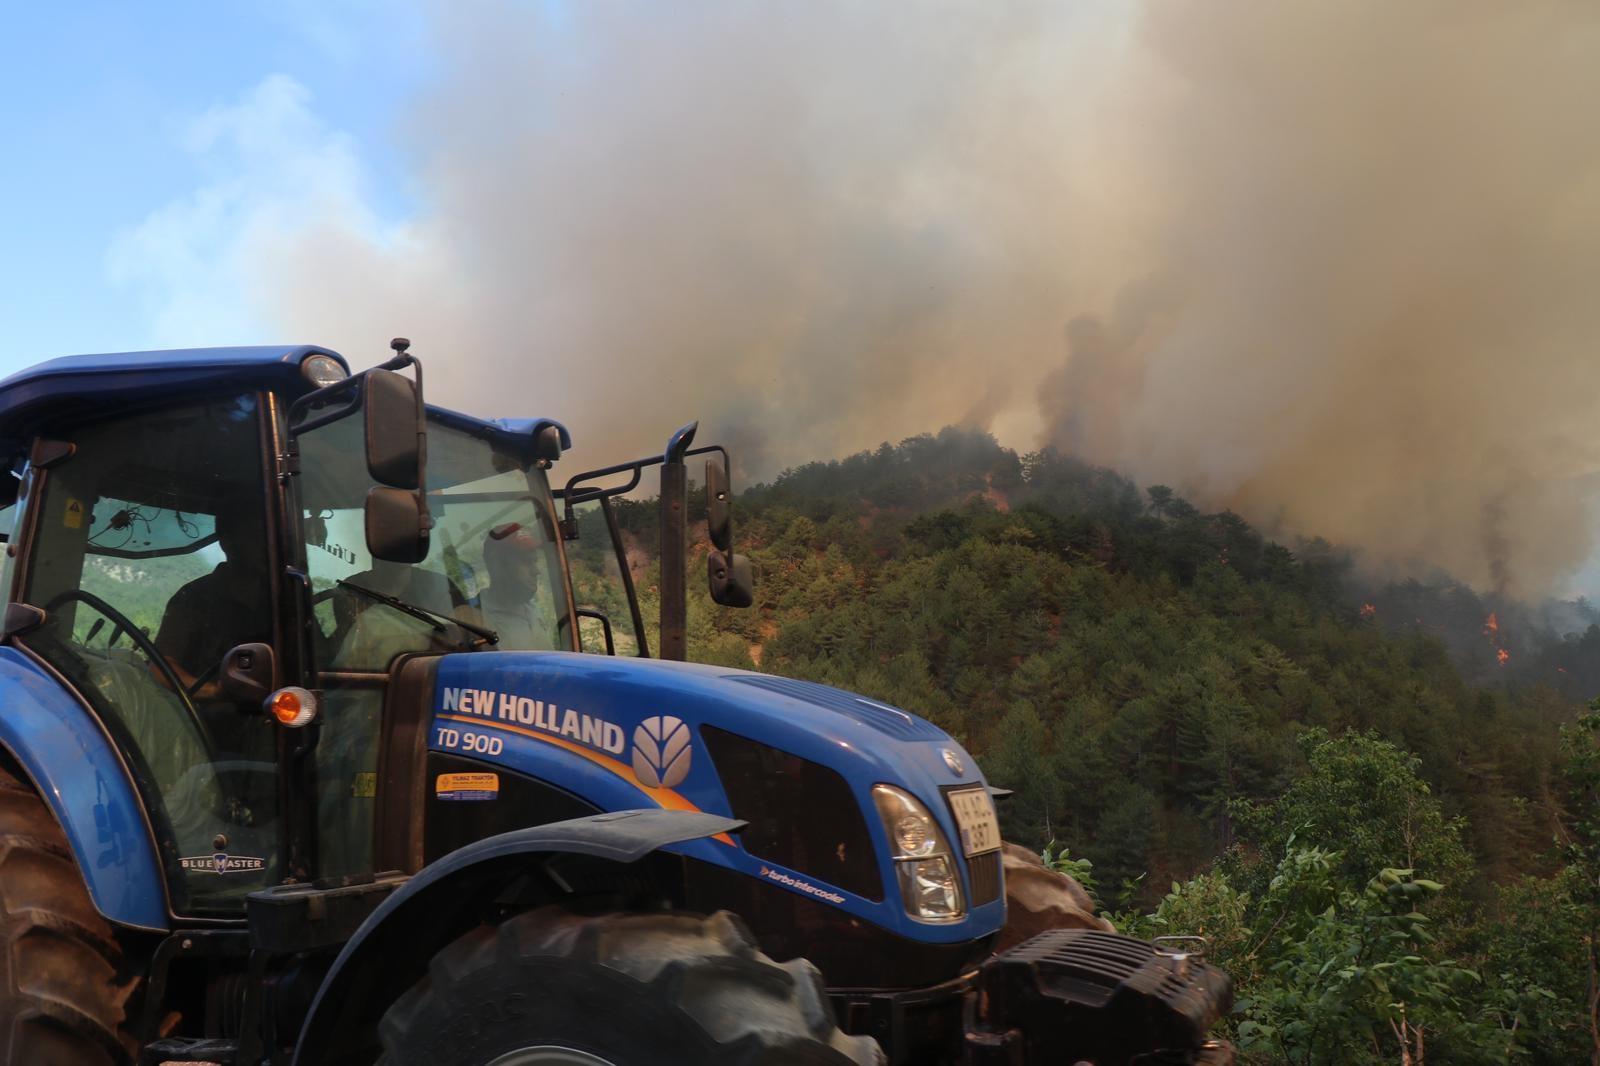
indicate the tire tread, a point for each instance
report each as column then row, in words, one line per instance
column 64, row 992
column 760, row 1012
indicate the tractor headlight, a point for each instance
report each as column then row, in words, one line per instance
column 923, row 863
column 930, row 888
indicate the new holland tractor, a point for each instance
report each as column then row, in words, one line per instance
column 310, row 754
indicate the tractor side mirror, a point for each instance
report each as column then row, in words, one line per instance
column 719, row 520
column 397, row 525
column 731, row 582
column 394, row 429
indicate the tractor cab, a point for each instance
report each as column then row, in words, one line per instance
column 145, row 573
column 202, row 535
column 169, row 567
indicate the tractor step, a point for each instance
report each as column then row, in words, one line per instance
column 189, row 1052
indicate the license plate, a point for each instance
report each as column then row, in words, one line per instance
column 975, row 817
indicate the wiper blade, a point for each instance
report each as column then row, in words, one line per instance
column 423, row 614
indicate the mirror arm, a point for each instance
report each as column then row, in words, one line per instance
column 627, row 576
column 637, row 466
column 323, row 395
column 727, row 464
column 673, row 502
column 605, row 624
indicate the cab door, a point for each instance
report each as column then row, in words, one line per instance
column 494, row 568
column 146, row 552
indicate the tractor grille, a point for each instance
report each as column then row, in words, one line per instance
column 984, row 873
column 802, row 814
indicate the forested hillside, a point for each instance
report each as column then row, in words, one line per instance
column 1222, row 734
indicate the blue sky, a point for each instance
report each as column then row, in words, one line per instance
column 103, row 107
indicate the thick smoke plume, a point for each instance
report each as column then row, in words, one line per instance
column 1331, row 265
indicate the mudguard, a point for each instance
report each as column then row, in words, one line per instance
column 77, row 772
column 391, row 949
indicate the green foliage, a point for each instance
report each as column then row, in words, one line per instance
column 1331, row 971
column 1534, row 956
column 1366, row 795
column 1080, row 870
column 1577, row 903
column 1354, row 978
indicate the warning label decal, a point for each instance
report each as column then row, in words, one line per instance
column 467, row 786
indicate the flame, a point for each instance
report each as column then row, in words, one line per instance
column 1368, row 610
column 1491, row 629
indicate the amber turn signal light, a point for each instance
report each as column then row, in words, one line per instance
column 293, row 706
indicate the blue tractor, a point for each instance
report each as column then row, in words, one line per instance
column 316, row 749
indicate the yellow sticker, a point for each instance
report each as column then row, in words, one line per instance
column 467, row 786
column 72, row 518
column 365, row 785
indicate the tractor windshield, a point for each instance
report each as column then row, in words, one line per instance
column 493, row 561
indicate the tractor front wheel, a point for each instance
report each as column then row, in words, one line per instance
column 549, row 988
column 1039, row 899
column 63, row 989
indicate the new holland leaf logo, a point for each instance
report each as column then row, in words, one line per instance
column 661, row 752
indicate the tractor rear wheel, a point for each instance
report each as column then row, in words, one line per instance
column 549, row 988
column 63, row 989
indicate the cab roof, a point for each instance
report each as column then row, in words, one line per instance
column 90, row 384
column 84, row 375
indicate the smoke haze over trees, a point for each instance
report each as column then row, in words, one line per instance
column 1328, row 265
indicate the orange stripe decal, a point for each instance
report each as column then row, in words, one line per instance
column 663, row 797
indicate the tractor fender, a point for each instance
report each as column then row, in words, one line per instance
column 77, row 772
column 391, row 949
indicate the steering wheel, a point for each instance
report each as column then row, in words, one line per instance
column 146, row 645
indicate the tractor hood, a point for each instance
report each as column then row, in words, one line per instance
column 630, row 733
